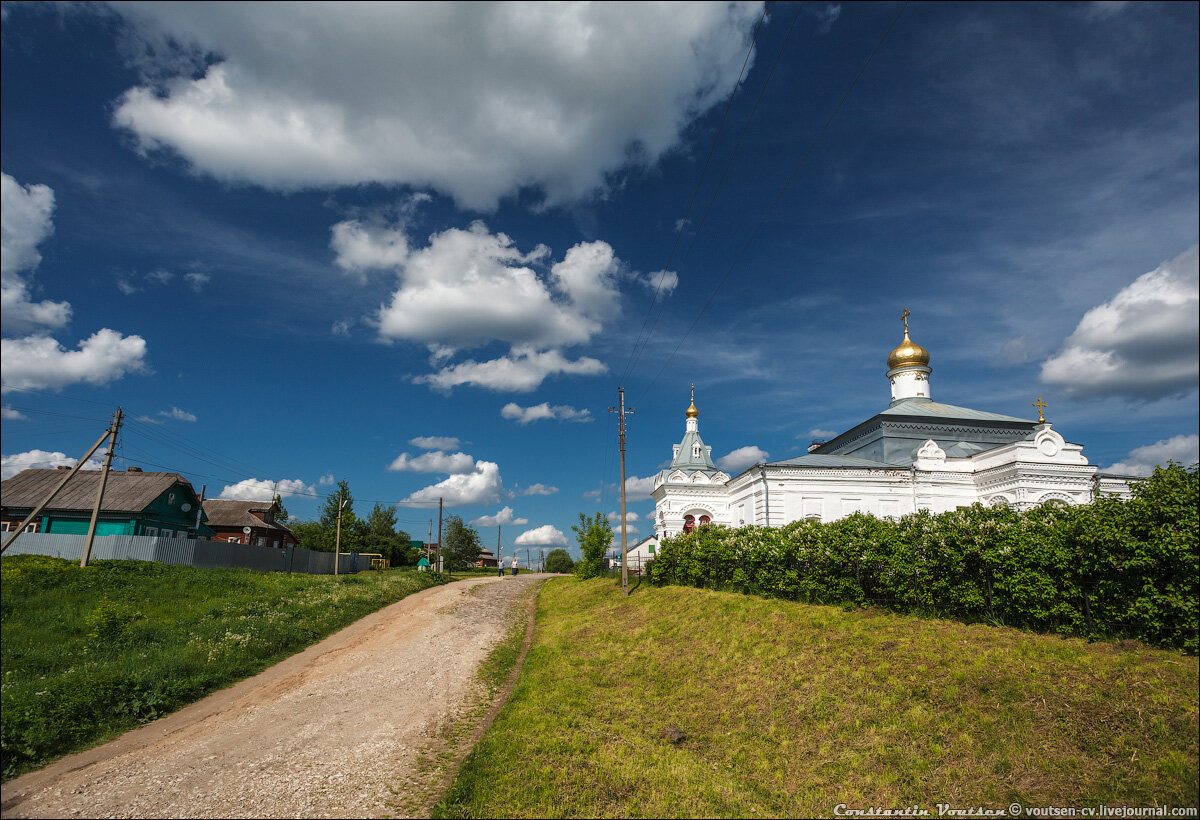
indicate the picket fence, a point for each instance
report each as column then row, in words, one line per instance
column 195, row 552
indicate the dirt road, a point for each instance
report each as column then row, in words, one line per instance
column 351, row 727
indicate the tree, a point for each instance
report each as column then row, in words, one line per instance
column 559, row 560
column 594, row 535
column 282, row 515
column 309, row 535
column 379, row 535
column 460, row 543
column 351, row 526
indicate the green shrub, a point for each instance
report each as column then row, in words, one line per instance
column 1117, row 568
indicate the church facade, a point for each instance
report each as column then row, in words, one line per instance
column 917, row 454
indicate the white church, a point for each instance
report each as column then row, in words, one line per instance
column 915, row 455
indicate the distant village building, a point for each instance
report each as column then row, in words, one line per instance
column 915, row 455
column 134, row 503
column 487, row 558
column 247, row 522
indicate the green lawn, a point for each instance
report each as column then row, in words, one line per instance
column 790, row 709
column 89, row 653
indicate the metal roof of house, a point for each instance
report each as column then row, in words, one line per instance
column 123, row 492
column 824, row 461
column 936, row 410
column 222, row 513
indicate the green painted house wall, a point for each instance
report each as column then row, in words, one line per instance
column 165, row 514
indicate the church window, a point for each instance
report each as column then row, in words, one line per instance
column 704, row 519
column 689, row 523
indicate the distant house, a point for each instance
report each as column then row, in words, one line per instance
column 247, row 522
column 640, row 554
column 134, row 503
column 486, row 558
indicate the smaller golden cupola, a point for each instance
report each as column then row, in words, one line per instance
column 909, row 353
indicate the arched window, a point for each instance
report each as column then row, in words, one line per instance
column 689, row 523
column 704, row 519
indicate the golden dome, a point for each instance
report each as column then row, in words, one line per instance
column 907, row 354
column 692, row 412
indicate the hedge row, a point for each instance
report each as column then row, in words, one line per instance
column 1113, row 568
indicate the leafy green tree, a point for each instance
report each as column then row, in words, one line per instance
column 460, row 544
column 379, row 534
column 282, row 515
column 310, row 535
column 559, row 560
column 595, row 536
column 351, row 527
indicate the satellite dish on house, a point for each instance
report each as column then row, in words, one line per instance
column 186, row 507
column 246, row 530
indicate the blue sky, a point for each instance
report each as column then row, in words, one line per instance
column 419, row 247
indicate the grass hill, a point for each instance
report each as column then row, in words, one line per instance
column 680, row 702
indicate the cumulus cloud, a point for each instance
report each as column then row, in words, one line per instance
column 39, row 362
column 544, row 536
column 614, row 517
column 435, row 461
column 478, row 101
column 638, row 489
column 1141, row 344
column 261, row 489
column 483, row 485
column 326, row 480
column 522, row 372
column 362, row 247
column 40, row 459
column 435, row 442
column 505, row 516
column 9, row 414
column 25, row 220
column 1141, row 461
column 741, row 458
column 539, row 489
column 537, row 412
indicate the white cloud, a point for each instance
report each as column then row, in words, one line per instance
column 1141, row 461
column 9, row 414
column 818, row 433
column 522, row 372
column 40, row 459
column 1142, row 343
column 435, row 442
column 741, row 458
column 362, row 247
column 638, row 489
column 614, row 517
column 537, row 412
column 539, row 489
column 341, row 328
column 435, row 461
column 544, row 536
column 39, row 362
column 25, row 212
column 326, row 480
column 505, row 516
column 177, row 414
column 469, row 287
column 475, row 100
column 481, row 486
column 261, row 489
column 197, row 280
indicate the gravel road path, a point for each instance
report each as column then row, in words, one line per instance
column 351, row 727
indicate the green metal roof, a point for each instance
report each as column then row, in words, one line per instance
column 687, row 460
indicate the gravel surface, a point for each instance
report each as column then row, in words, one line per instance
column 351, row 727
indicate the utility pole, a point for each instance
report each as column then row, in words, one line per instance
column 499, row 563
column 78, row 465
column 337, row 544
column 621, row 414
column 439, row 546
column 429, row 543
column 91, row 533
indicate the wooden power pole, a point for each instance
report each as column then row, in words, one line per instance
column 439, row 546
column 108, row 455
column 621, row 414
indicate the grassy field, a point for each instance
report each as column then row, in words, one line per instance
column 789, row 709
column 89, row 653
